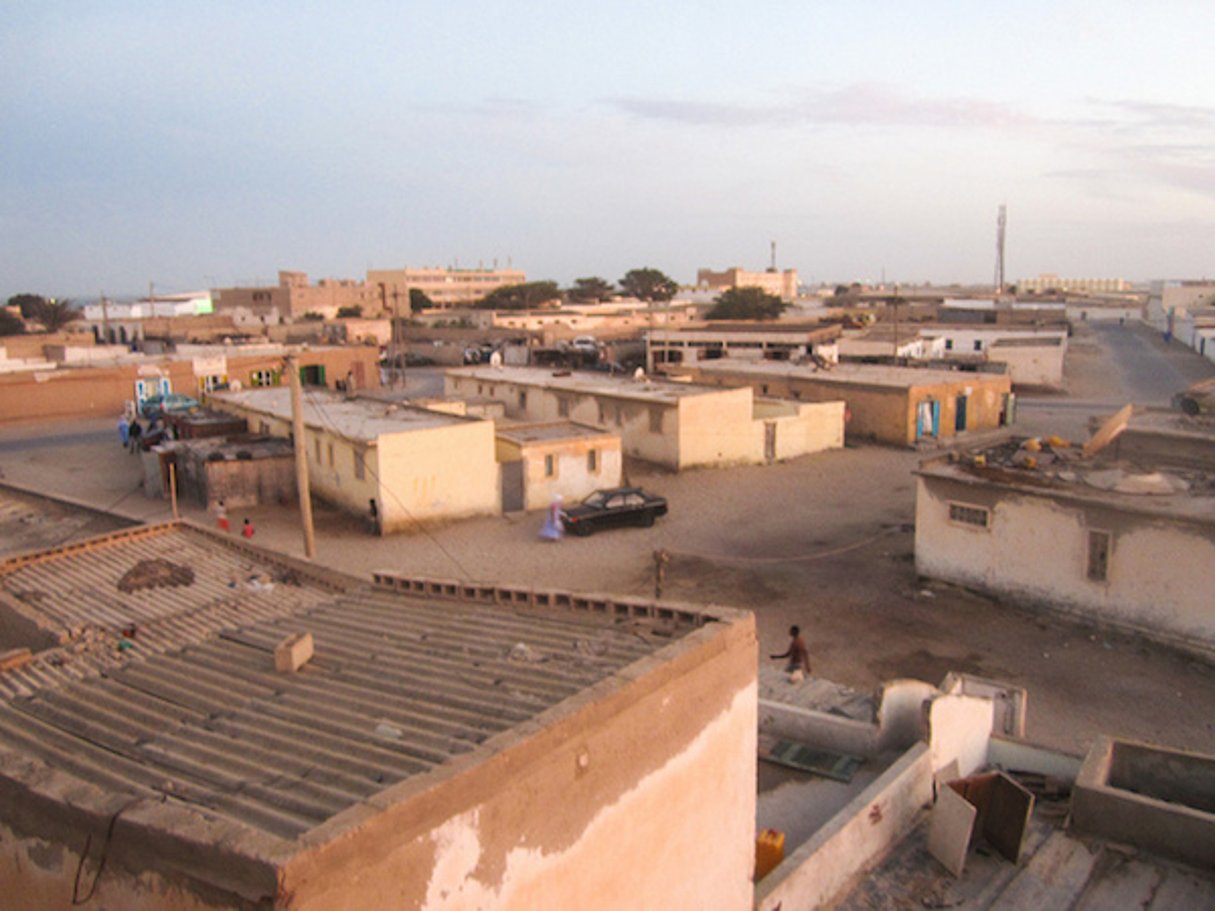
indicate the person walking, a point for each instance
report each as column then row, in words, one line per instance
column 797, row 653
column 124, row 430
column 136, row 435
column 221, row 517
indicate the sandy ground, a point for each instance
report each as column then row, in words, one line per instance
column 824, row 541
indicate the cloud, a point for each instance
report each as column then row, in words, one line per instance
column 858, row 104
column 1163, row 115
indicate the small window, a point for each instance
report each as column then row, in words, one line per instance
column 949, row 344
column 1098, row 555
column 978, row 516
column 602, row 414
column 523, row 399
column 592, row 460
column 318, row 450
column 263, row 428
column 763, row 389
column 550, row 466
column 330, row 455
column 360, row 465
column 978, row 344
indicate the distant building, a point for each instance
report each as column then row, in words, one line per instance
column 781, row 284
column 736, row 341
column 678, row 425
column 1049, row 281
column 96, row 380
column 293, row 297
column 1034, row 357
column 446, row 287
column 897, row 405
column 417, row 465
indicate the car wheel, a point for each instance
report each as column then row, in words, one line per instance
column 581, row 529
column 647, row 520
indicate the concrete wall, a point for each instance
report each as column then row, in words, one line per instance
column 855, row 838
column 572, row 477
column 1039, row 365
column 1157, row 799
column 601, row 803
column 1035, row 550
column 446, row 472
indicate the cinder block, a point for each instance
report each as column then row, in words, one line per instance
column 293, row 653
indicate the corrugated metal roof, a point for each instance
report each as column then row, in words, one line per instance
column 196, row 713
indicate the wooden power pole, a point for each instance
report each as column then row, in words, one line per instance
column 301, row 456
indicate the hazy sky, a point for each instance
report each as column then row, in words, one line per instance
column 204, row 145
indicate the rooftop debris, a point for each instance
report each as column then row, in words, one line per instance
column 155, row 573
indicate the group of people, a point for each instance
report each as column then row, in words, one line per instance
column 221, row 521
column 132, row 433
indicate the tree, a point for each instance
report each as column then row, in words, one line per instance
column 590, row 289
column 28, row 304
column 520, row 297
column 55, row 314
column 11, row 323
column 419, row 300
column 313, row 316
column 353, row 310
column 746, row 303
column 648, row 285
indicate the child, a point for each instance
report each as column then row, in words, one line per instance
column 221, row 517
column 247, row 529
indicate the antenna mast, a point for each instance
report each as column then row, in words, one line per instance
column 1001, row 220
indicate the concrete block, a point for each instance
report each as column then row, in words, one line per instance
column 293, row 653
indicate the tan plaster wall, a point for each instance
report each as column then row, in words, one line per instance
column 1031, row 366
column 1036, row 550
column 445, row 472
column 716, row 429
column 572, row 479
column 640, row 793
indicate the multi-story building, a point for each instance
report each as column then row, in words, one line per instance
column 1049, row 281
column 446, row 287
column 782, row 284
column 293, row 297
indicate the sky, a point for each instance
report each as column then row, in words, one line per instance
column 188, row 146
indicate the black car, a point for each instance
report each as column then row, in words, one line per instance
column 612, row 507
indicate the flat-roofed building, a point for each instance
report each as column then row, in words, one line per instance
column 781, row 284
column 541, row 461
column 1125, row 540
column 294, row 297
column 446, row 744
column 740, row 341
column 417, row 465
column 1034, row 357
column 898, row 405
column 446, row 287
column 674, row 424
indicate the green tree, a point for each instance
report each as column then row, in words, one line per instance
column 419, row 300
column 520, row 297
column 590, row 289
column 648, row 285
column 746, row 303
column 55, row 314
column 11, row 323
column 27, row 303
column 352, row 311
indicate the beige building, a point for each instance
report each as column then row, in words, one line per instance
column 1049, row 281
column 446, row 287
column 555, row 459
column 782, row 284
column 709, row 341
column 441, row 746
column 1125, row 544
column 293, row 297
column 1033, row 357
column 98, row 381
column 417, row 465
column 674, row 424
column 897, row 405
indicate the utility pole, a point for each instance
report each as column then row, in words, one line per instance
column 301, row 456
column 1001, row 219
column 105, row 320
